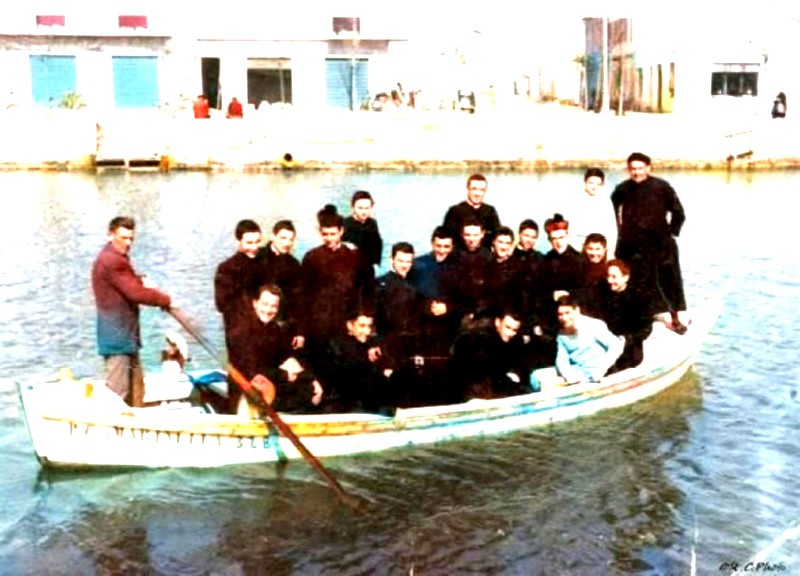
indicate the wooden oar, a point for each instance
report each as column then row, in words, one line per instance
column 263, row 407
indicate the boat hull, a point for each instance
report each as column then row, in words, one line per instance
column 70, row 428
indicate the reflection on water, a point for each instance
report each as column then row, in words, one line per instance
column 707, row 467
column 511, row 502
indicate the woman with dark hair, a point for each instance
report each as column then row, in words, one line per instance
column 336, row 279
column 361, row 229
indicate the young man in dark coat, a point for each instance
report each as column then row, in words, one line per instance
column 595, row 254
column 260, row 347
column 361, row 229
column 490, row 359
column 624, row 310
column 238, row 278
column 118, row 292
column 471, row 209
column 336, row 279
column 649, row 218
column 398, row 308
column 282, row 269
column 353, row 371
column 505, row 275
column 434, row 277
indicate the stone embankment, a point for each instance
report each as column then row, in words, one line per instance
column 522, row 137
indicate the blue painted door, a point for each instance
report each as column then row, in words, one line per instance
column 51, row 78
column 347, row 82
column 135, row 81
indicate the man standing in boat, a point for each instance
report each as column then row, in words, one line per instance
column 471, row 209
column 238, row 278
column 649, row 218
column 118, row 292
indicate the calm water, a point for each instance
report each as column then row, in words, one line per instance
column 704, row 474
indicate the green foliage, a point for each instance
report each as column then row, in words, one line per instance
column 71, row 100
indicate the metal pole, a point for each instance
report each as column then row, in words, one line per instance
column 605, row 105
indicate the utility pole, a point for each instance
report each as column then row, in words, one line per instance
column 605, row 105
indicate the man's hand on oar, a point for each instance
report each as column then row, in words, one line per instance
column 256, row 395
column 265, row 386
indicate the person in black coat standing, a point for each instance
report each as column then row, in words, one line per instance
column 336, row 279
column 649, row 218
column 283, row 269
column 361, row 229
column 473, row 208
column 238, row 278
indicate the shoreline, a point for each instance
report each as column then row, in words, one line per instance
column 523, row 137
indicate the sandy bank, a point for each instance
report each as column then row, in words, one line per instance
column 521, row 137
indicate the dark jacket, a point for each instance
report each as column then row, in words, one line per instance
column 436, row 282
column 118, row 292
column 505, row 286
column 236, row 279
column 284, row 271
column 355, row 383
column 459, row 213
column 482, row 362
column 642, row 211
column 365, row 236
column 398, row 311
column 257, row 348
column 335, row 282
column 471, row 271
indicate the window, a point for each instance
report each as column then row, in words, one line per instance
column 135, row 81
column 52, row 78
column 730, row 83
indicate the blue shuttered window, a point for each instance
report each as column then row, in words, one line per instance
column 52, row 77
column 347, row 82
column 135, row 81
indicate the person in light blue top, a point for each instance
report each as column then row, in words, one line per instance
column 586, row 348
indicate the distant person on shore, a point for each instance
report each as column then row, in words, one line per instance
column 649, row 218
column 779, row 106
column 200, row 107
column 380, row 101
column 361, row 229
column 473, row 207
column 118, row 292
column 235, row 109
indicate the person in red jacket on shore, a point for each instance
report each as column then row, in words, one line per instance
column 200, row 107
column 235, row 109
column 118, row 292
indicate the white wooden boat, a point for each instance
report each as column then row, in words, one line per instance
column 80, row 423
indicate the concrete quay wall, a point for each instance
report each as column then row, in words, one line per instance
column 530, row 137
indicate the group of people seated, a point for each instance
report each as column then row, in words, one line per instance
column 474, row 317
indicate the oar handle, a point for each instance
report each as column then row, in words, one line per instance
column 263, row 407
